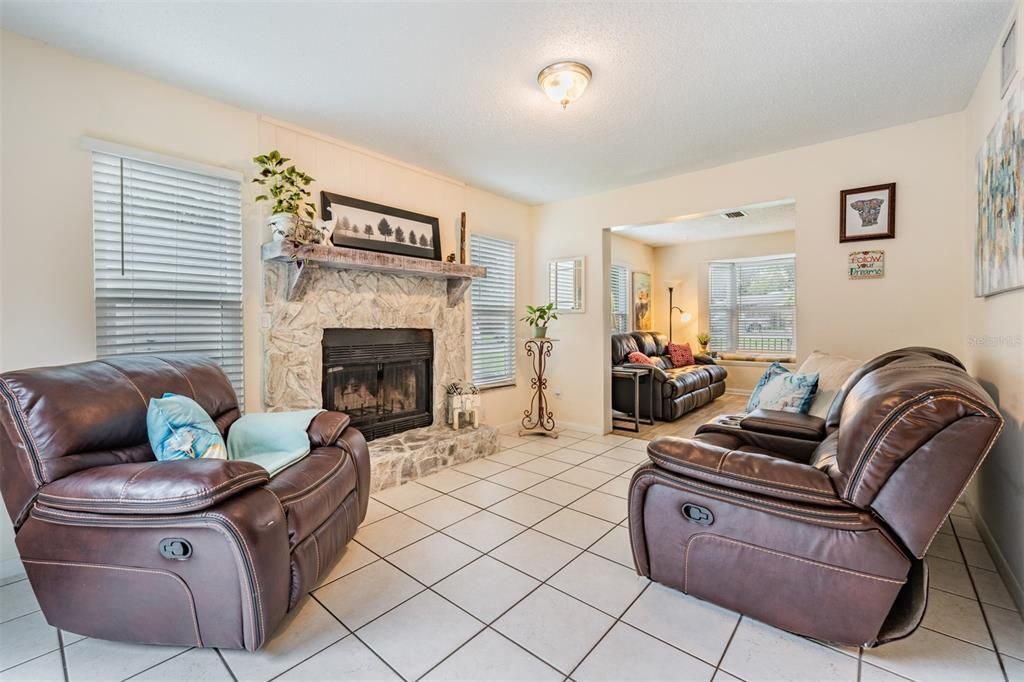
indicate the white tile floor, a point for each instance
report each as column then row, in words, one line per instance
column 518, row 567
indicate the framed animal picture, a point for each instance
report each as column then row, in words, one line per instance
column 867, row 213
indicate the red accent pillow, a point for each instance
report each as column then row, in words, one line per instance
column 681, row 354
column 638, row 358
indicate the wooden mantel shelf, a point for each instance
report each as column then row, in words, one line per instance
column 300, row 259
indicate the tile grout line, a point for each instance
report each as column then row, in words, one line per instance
column 63, row 658
column 541, row 583
column 488, row 554
column 725, row 650
column 227, row 667
column 610, row 628
column 158, row 663
column 977, row 598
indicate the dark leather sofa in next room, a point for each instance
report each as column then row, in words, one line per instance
column 677, row 390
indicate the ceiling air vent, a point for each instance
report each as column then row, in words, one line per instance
column 731, row 215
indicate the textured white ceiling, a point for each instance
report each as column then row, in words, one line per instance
column 452, row 87
column 762, row 219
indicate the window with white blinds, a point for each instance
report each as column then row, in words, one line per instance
column 752, row 305
column 494, row 311
column 619, row 281
column 167, row 245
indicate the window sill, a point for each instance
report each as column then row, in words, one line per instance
column 491, row 387
column 753, row 363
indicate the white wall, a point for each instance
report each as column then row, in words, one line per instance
column 50, row 99
column 688, row 264
column 995, row 351
column 918, row 302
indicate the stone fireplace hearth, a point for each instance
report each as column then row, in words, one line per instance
column 335, row 298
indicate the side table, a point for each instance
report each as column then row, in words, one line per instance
column 636, row 375
column 538, row 419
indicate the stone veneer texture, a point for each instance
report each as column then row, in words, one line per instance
column 354, row 299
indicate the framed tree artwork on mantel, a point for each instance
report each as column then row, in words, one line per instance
column 359, row 224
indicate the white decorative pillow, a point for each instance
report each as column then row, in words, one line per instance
column 832, row 371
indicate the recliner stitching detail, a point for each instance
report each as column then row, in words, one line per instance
column 183, row 376
column 694, row 465
column 16, row 405
column 138, row 506
column 664, row 479
column 945, row 394
column 255, row 578
column 126, row 378
column 981, row 460
column 963, row 398
column 124, row 488
column 699, row 536
column 205, row 491
column 310, row 489
column 168, row 574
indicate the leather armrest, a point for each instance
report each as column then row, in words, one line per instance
column 748, row 472
column 326, row 428
column 168, row 487
column 789, row 424
column 702, row 359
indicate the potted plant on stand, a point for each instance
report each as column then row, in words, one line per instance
column 704, row 339
column 538, row 318
column 287, row 186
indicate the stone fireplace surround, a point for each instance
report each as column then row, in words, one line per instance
column 359, row 299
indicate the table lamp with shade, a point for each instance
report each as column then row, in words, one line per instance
column 684, row 316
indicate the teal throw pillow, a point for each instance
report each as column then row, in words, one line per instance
column 180, row 429
column 780, row 389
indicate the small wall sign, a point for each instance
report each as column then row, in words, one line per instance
column 867, row 264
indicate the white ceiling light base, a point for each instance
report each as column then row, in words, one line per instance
column 564, row 82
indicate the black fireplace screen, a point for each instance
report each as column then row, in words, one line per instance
column 382, row 378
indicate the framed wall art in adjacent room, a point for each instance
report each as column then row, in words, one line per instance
column 360, row 224
column 1008, row 56
column 867, row 213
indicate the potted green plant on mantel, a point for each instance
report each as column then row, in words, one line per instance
column 538, row 318
column 704, row 339
column 286, row 186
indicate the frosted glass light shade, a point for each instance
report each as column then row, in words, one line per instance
column 564, row 82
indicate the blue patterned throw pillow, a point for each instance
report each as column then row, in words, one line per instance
column 780, row 389
column 179, row 428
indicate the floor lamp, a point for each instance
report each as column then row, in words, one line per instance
column 684, row 316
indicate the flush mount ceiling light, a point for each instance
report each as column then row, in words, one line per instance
column 564, row 82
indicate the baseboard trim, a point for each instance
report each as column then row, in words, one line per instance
column 512, row 428
column 1013, row 584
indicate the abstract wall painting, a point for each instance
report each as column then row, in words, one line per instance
column 999, row 243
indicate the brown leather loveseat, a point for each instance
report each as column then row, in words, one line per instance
column 819, row 526
column 120, row 546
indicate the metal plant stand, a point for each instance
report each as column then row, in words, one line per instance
column 538, row 419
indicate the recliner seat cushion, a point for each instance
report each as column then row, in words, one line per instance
column 312, row 489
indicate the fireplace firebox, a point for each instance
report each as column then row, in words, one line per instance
column 381, row 378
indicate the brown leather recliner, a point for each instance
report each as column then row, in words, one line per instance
column 819, row 527
column 120, row 546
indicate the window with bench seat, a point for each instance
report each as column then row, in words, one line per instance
column 752, row 306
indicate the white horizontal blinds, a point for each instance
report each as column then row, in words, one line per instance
column 167, row 246
column 561, row 284
column 752, row 305
column 619, row 279
column 766, row 305
column 494, row 311
column 722, row 306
